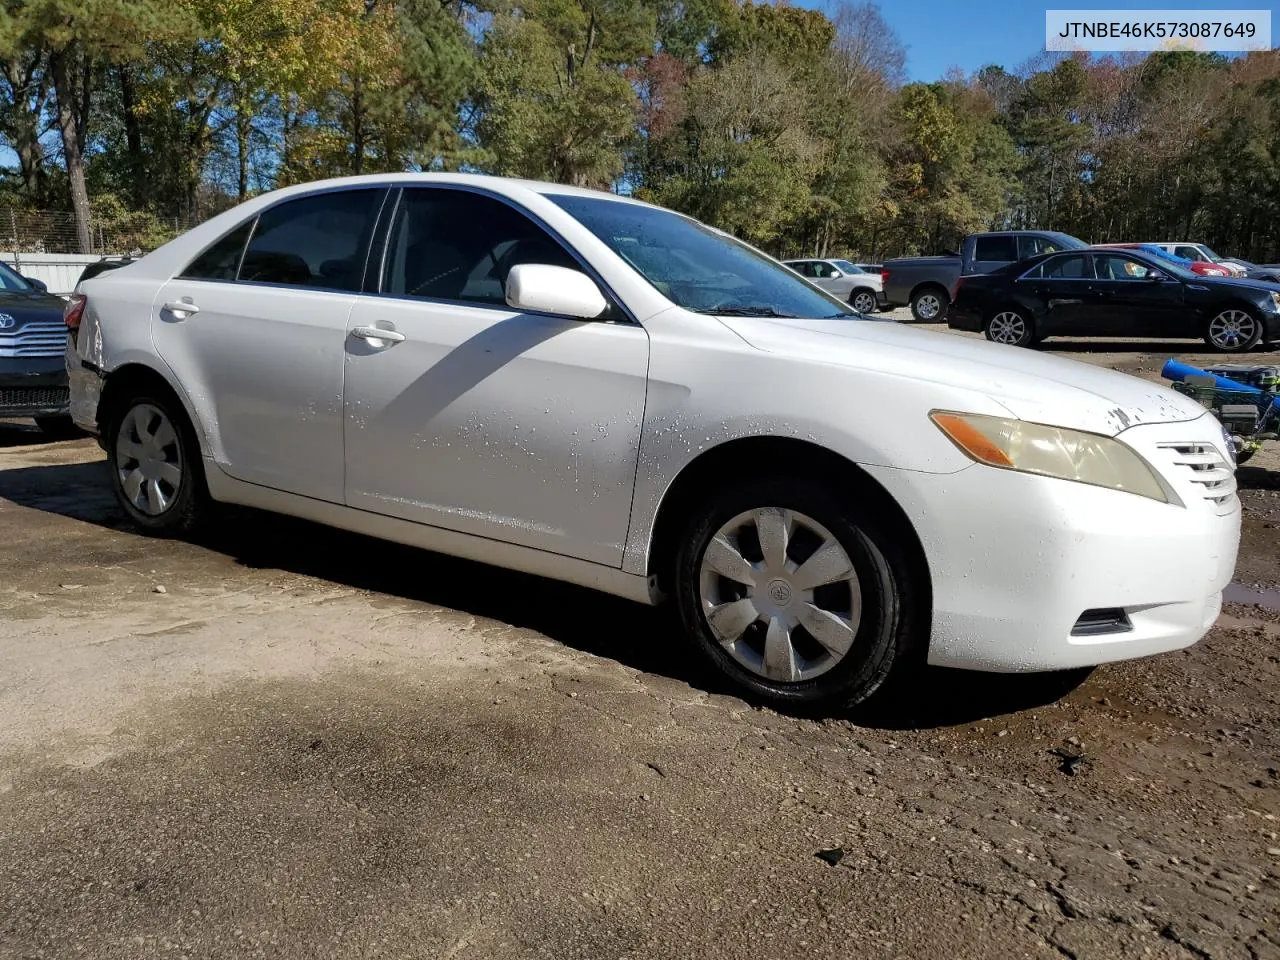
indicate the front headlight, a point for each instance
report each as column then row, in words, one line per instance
column 1052, row 452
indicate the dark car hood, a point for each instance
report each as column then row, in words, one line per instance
column 1237, row 283
column 26, row 307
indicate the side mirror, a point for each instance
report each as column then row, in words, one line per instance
column 1155, row 276
column 40, row 285
column 548, row 289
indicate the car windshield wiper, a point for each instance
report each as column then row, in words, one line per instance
column 760, row 311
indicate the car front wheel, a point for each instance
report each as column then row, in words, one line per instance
column 155, row 467
column 795, row 597
column 1234, row 330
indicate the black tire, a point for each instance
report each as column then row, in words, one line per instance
column 190, row 505
column 922, row 304
column 1008, row 321
column 890, row 595
column 1223, row 342
column 59, row 427
column 867, row 296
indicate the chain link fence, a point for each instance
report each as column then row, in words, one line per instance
column 114, row 231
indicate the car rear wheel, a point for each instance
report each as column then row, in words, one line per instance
column 929, row 304
column 864, row 301
column 155, row 467
column 795, row 597
column 1011, row 327
column 1233, row 330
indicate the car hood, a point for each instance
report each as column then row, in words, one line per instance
column 1032, row 386
column 26, row 307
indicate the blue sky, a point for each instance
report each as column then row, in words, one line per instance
column 973, row 33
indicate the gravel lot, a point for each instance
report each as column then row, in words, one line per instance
column 287, row 741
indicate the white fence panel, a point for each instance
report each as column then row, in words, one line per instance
column 58, row 271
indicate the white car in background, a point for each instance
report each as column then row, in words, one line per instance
column 1199, row 253
column 857, row 287
column 600, row 391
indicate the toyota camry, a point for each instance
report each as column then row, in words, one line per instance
column 597, row 390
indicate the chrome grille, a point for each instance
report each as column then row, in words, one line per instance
column 1205, row 467
column 39, row 338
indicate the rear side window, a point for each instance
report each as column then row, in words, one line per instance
column 999, row 248
column 1069, row 268
column 317, row 241
column 222, row 260
column 457, row 245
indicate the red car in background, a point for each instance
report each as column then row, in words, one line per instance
column 1202, row 267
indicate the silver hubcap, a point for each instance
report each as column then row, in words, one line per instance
column 1232, row 328
column 1008, row 327
column 864, row 303
column 148, row 460
column 780, row 594
column 928, row 306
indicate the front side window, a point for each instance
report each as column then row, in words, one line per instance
column 1188, row 253
column 317, row 241
column 1033, row 246
column 457, row 245
column 696, row 267
column 823, row 270
column 999, row 248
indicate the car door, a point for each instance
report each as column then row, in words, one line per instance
column 521, row 427
column 1136, row 299
column 254, row 328
column 1059, row 285
column 826, row 276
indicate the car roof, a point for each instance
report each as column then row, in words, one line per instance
column 508, row 186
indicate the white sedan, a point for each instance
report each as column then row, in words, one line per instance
column 597, row 390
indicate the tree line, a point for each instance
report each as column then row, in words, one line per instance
column 792, row 128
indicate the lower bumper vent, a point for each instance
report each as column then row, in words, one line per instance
column 1103, row 620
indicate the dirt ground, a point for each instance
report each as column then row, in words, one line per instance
column 286, row 741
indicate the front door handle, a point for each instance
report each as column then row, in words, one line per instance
column 181, row 308
column 378, row 333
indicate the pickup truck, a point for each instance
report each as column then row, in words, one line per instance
column 925, row 283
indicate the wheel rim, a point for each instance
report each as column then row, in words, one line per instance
column 780, row 594
column 148, row 460
column 1008, row 327
column 928, row 306
column 1232, row 328
column 864, row 303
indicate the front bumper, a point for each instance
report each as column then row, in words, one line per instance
column 33, row 387
column 1017, row 559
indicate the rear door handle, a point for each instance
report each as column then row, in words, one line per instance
column 181, row 307
column 378, row 333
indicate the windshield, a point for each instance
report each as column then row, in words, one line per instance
column 9, row 280
column 698, row 268
column 1210, row 254
column 848, row 267
column 1065, row 241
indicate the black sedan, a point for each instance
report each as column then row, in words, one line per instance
column 1114, row 293
column 33, row 339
